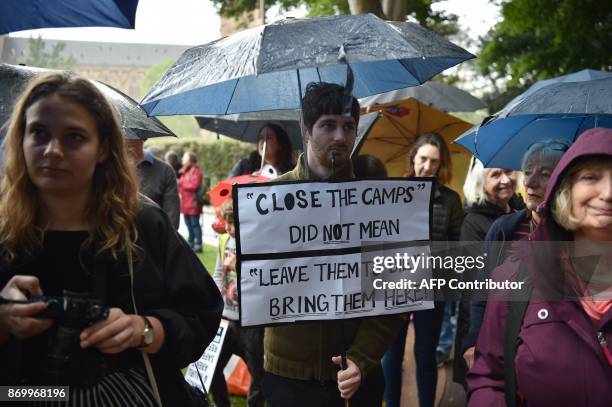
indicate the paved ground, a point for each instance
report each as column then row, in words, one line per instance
column 208, row 235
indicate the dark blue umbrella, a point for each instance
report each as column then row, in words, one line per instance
column 245, row 126
column 18, row 15
column 268, row 67
column 502, row 143
column 557, row 110
column 580, row 76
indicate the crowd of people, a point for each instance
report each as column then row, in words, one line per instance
column 92, row 219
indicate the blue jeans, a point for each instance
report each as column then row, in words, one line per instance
column 427, row 325
column 194, row 229
column 447, row 333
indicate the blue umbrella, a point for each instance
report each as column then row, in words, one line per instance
column 557, row 110
column 268, row 67
column 17, row 15
column 502, row 143
column 580, row 76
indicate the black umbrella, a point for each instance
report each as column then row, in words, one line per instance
column 136, row 125
column 245, row 126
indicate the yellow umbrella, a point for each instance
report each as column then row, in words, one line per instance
column 398, row 125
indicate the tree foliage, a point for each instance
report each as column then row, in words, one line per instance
column 539, row 39
column 40, row 57
column 418, row 10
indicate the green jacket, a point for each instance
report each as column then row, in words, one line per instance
column 304, row 350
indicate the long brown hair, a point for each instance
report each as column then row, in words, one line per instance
column 113, row 203
column 444, row 172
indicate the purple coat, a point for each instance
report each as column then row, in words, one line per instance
column 559, row 360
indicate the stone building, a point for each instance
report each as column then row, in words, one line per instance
column 121, row 65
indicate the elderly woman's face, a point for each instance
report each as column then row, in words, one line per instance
column 535, row 182
column 499, row 185
column 591, row 193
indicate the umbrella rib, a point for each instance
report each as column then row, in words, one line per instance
column 400, row 153
column 400, row 128
column 229, row 103
column 580, row 125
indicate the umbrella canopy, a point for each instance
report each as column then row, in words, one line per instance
column 502, row 143
column 245, row 126
column 136, row 125
column 580, row 76
column 558, row 110
column 268, row 67
column 397, row 125
column 17, row 15
column 442, row 96
column 587, row 97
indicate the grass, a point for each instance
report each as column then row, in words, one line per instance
column 208, row 258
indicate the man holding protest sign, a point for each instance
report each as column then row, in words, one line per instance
column 320, row 363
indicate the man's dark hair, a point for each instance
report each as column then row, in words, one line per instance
column 325, row 98
column 369, row 166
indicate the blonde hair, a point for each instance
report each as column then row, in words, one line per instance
column 561, row 208
column 113, row 204
column 227, row 210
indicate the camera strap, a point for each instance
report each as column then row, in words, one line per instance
column 145, row 356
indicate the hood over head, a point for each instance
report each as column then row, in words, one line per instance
column 597, row 141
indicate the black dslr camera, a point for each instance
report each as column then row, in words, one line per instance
column 67, row 363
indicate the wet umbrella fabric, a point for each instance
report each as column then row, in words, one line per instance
column 502, row 143
column 439, row 95
column 580, row 76
column 558, row 110
column 18, row 15
column 268, row 67
column 136, row 125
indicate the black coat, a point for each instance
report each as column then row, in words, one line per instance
column 476, row 223
column 170, row 283
column 447, row 215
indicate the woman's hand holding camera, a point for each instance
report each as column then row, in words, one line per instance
column 119, row 332
column 18, row 319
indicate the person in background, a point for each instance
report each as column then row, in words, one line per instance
column 428, row 157
column 538, row 165
column 73, row 227
column 246, row 342
column 157, row 179
column 553, row 346
column 489, row 193
column 191, row 207
column 172, row 158
column 369, row 166
column 278, row 153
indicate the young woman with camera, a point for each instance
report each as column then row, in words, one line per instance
column 74, row 229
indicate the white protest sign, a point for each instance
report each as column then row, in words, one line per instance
column 322, row 288
column 203, row 369
column 308, row 216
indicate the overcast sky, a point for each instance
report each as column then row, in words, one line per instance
column 193, row 22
